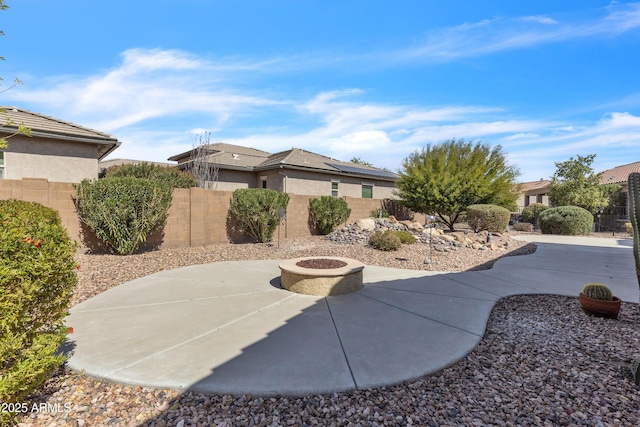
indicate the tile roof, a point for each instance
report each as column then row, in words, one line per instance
column 49, row 127
column 534, row 185
column 238, row 157
column 619, row 174
column 219, row 148
column 300, row 158
column 11, row 117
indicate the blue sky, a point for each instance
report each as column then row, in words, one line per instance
column 546, row 80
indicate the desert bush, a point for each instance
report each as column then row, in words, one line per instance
column 523, row 226
column 123, row 211
column 255, row 211
column 488, row 217
column 37, row 277
column 385, row 240
column 406, row 237
column 628, row 227
column 531, row 212
column 327, row 212
column 167, row 174
column 379, row 213
column 566, row 220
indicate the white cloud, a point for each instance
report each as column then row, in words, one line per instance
column 620, row 120
column 148, row 84
column 501, row 34
column 359, row 142
column 541, row 19
column 198, row 131
column 518, row 136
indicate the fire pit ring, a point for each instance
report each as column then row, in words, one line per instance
column 344, row 279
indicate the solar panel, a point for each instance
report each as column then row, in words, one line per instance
column 362, row 171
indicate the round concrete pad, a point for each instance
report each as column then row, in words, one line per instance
column 229, row 328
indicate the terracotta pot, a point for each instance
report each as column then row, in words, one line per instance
column 600, row 308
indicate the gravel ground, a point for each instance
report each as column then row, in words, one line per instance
column 541, row 362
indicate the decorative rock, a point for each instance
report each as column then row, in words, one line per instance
column 355, row 234
column 366, row 224
column 415, row 226
column 392, row 219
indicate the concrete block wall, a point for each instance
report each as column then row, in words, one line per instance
column 56, row 195
column 197, row 216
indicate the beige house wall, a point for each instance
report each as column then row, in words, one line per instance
column 319, row 184
column 230, row 180
column 55, row 160
column 308, row 183
column 533, row 196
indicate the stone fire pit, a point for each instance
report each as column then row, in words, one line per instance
column 321, row 276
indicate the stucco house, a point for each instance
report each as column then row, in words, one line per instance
column 538, row 191
column 294, row 171
column 56, row 150
column 620, row 175
column 533, row 192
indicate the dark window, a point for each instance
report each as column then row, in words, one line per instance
column 334, row 189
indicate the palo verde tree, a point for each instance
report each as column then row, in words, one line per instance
column 444, row 179
column 576, row 184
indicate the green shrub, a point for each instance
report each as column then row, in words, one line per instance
column 523, row 226
column 167, row 174
column 327, row 212
column 628, row 227
column 37, row 277
column 531, row 212
column 379, row 213
column 405, row 237
column 566, row 220
column 488, row 217
column 255, row 211
column 385, row 240
column 123, row 211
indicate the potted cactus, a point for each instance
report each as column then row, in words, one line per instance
column 596, row 299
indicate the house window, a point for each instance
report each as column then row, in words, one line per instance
column 334, row 188
column 526, row 200
column 1, row 164
column 367, row 191
column 263, row 181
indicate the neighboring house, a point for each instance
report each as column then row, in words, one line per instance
column 533, row 192
column 538, row 191
column 294, row 171
column 620, row 175
column 56, row 150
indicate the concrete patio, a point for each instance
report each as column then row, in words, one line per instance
column 228, row 327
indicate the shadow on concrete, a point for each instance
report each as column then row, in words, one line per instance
column 395, row 330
